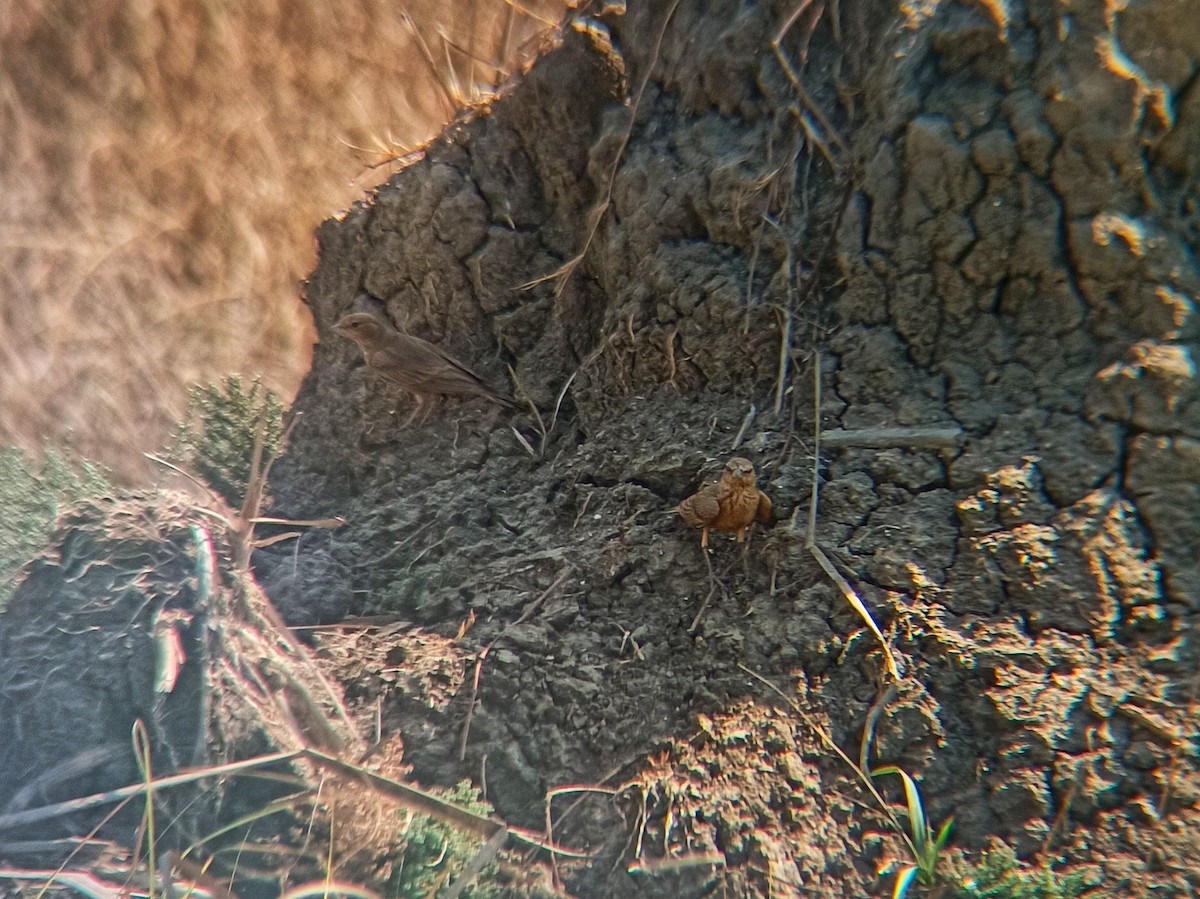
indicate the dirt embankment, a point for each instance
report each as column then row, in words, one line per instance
column 997, row 234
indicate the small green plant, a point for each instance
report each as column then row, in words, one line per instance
column 216, row 437
column 1000, row 876
column 31, row 497
column 926, row 846
column 435, row 852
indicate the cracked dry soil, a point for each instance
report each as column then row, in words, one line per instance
column 998, row 236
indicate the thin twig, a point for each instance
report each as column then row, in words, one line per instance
column 537, row 415
column 243, row 528
column 858, row 605
column 528, row 613
column 830, row 239
column 558, row 403
column 596, row 216
column 678, row 863
column 746, row 422
column 885, row 438
column 521, row 440
column 753, row 265
column 71, row 806
column 811, row 540
column 793, row 77
column 486, row 853
column 713, row 583
column 427, row 55
column 466, row 731
column 195, row 480
column 825, row 738
column 785, row 355
column 335, row 522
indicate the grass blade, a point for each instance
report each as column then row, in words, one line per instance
column 903, row 881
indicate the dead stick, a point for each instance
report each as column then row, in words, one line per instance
column 884, row 438
column 462, row 743
column 427, row 804
column 47, row 812
column 811, row 541
column 746, row 422
column 712, row 588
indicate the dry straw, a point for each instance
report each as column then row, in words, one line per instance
column 165, row 165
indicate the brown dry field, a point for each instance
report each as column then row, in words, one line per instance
column 163, row 165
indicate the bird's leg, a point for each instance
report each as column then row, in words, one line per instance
column 412, row 416
column 704, row 539
column 712, row 588
column 421, row 411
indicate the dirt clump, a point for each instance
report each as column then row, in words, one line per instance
column 134, row 636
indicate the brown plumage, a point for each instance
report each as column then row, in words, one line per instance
column 732, row 504
column 412, row 364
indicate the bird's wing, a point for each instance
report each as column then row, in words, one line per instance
column 724, row 489
column 442, row 373
column 700, row 509
column 763, row 514
column 453, row 363
column 433, row 362
column 482, row 387
column 418, row 365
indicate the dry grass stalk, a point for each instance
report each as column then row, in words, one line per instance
column 862, row 774
column 171, row 165
column 26, row 817
column 814, row 122
column 567, row 790
column 811, row 539
column 563, row 273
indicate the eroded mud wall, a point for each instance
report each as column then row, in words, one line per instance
column 1014, row 258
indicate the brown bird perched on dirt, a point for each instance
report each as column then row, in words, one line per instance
column 732, row 504
column 412, row 364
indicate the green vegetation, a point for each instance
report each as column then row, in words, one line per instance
column 31, row 497
column 435, row 853
column 217, row 434
column 926, row 846
column 1000, row 876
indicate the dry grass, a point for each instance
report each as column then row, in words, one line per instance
column 164, row 164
